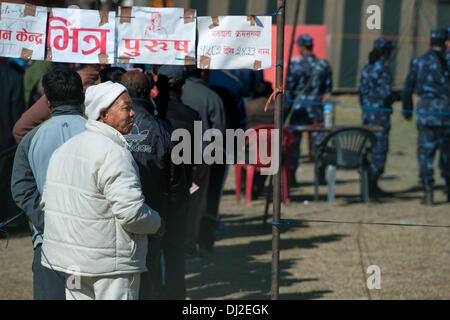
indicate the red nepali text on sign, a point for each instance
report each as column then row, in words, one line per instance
column 156, row 46
column 100, row 43
column 22, row 36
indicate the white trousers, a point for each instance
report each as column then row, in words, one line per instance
column 121, row 287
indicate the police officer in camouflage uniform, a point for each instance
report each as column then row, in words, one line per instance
column 309, row 80
column 429, row 76
column 447, row 47
column 447, row 58
column 375, row 91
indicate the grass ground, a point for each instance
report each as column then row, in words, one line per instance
column 318, row 260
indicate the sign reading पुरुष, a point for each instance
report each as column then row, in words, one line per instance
column 234, row 42
column 22, row 31
column 144, row 35
column 156, row 35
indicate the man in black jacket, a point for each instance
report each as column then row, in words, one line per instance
column 209, row 105
column 180, row 116
column 12, row 107
column 163, row 183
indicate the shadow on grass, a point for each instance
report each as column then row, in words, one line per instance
column 240, row 267
column 311, row 295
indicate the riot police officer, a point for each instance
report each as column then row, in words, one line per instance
column 429, row 76
column 309, row 80
column 375, row 92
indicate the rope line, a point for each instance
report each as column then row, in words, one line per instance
column 287, row 222
column 315, row 103
column 8, row 150
column 12, row 219
column 282, row 6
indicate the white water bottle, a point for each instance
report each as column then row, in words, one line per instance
column 328, row 115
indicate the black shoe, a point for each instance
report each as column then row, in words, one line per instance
column 447, row 190
column 205, row 251
column 376, row 191
column 428, row 196
column 192, row 254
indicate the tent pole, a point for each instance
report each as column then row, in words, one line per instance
column 278, row 120
column 291, row 47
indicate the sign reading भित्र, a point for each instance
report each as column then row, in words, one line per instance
column 81, row 36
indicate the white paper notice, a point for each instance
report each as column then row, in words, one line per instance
column 22, row 31
column 234, row 42
column 81, row 36
column 157, row 35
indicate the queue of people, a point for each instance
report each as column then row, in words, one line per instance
column 114, row 217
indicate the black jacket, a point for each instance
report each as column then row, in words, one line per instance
column 163, row 183
column 181, row 116
column 12, row 101
column 206, row 102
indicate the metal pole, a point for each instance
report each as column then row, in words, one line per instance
column 278, row 119
column 291, row 47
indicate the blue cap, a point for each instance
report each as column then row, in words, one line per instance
column 439, row 35
column 172, row 72
column 305, row 40
column 448, row 33
column 383, row 43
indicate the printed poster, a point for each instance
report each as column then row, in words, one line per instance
column 234, row 42
column 156, row 35
column 81, row 36
column 22, row 31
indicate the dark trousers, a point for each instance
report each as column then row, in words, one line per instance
column 196, row 207
column 379, row 154
column 173, row 252
column 210, row 219
column 47, row 284
column 8, row 208
column 316, row 138
column 431, row 139
column 150, row 285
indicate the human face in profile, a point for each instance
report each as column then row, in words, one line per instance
column 120, row 115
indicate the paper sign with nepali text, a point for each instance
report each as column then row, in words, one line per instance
column 234, row 42
column 22, row 31
column 81, row 36
column 156, row 35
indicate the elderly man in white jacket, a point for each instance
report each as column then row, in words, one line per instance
column 96, row 220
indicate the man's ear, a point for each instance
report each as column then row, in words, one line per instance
column 103, row 115
column 49, row 105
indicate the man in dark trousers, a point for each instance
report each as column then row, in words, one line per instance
column 171, row 81
column 64, row 91
column 429, row 76
column 12, row 107
column 310, row 79
column 163, row 183
column 209, row 105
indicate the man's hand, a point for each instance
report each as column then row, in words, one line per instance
column 162, row 229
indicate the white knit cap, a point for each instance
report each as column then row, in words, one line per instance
column 101, row 96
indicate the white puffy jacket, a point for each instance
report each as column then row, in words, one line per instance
column 96, row 220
